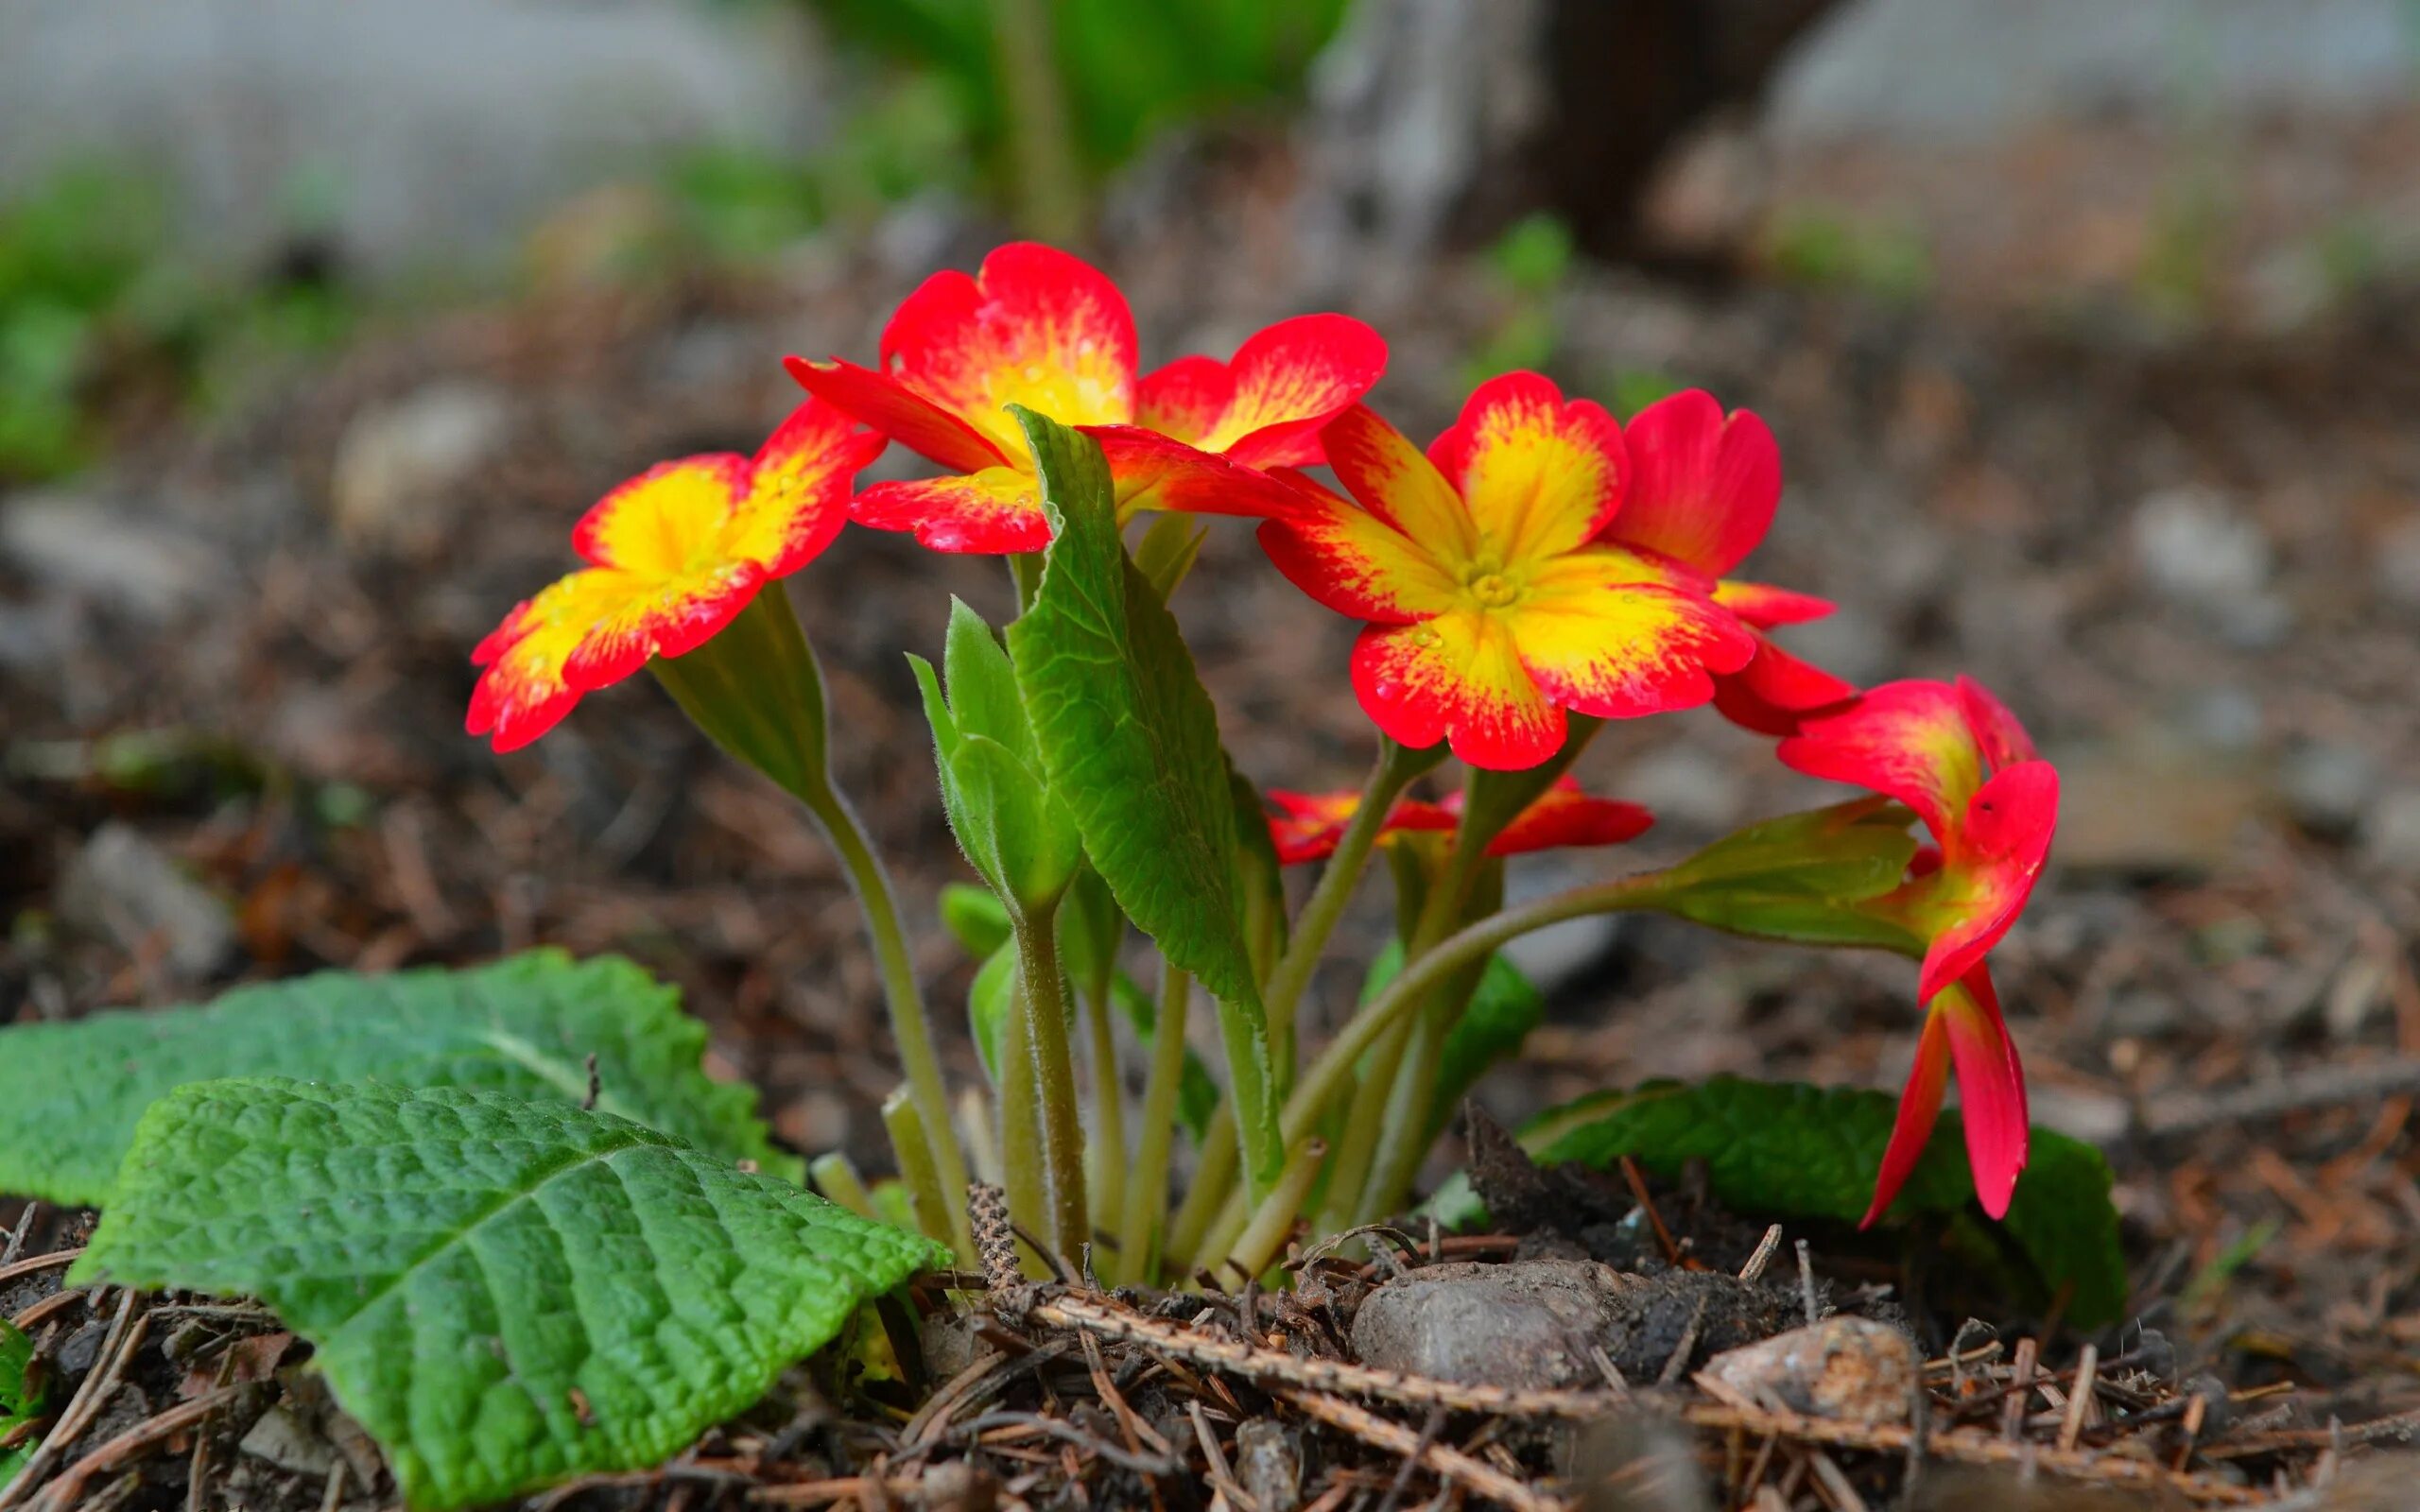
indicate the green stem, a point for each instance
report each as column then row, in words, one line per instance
column 1357, row 1146
column 1393, row 772
column 1021, row 1161
column 839, row 1181
column 1042, row 987
column 755, row 690
column 1213, row 1177
column 1264, row 1238
column 913, row 1148
column 1147, row 1179
column 1470, row 945
column 1105, row 1143
column 1049, row 186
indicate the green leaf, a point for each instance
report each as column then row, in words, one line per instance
column 1131, row 741
column 1786, row 1150
column 21, row 1397
column 990, row 998
column 505, row 1293
column 1502, row 1010
column 983, row 684
column 1802, row 877
column 1013, row 830
column 71, row 1093
column 1166, row 552
column 974, row 918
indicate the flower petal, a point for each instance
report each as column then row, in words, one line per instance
column 1539, row 475
column 668, row 517
column 1156, row 472
column 1702, row 485
column 1600, row 645
column 1035, row 326
column 1775, row 692
column 1355, row 562
column 1765, row 606
column 1564, row 815
column 2004, row 741
column 1919, row 1110
column 1991, row 1087
column 1456, row 677
column 1307, row 826
column 1908, row 740
column 995, row 510
column 1378, row 465
column 797, row 496
column 899, row 412
column 1987, row 872
column 1265, row 407
column 658, row 616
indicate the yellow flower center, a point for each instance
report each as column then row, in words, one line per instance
column 1493, row 589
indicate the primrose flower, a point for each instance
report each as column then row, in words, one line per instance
column 1037, row 327
column 675, row 554
column 1307, row 826
column 1958, row 757
column 1703, row 488
column 1494, row 603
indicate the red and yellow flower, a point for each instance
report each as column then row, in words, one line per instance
column 1957, row 757
column 1703, row 491
column 1037, row 327
column 1496, row 602
column 1307, row 826
column 674, row 554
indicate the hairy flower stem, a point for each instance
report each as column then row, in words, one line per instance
column 1042, row 987
column 1469, row 946
column 839, row 1181
column 909, row 1143
column 756, row 691
column 1147, row 1178
column 1395, row 768
column 1105, row 1141
column 1021, row 1162
column 1264, row 1238
column 1220, row 1159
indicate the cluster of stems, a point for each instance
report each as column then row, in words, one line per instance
column 1356, row 1121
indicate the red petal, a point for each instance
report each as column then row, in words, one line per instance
column 994, row 511
column 1919, row 1108
column 1456, row 677
column 1991, row 1087
column 1765, row 606
column 1909, row 740
column 1265, row 408
column 1601, row 645
column 2004, row 741
column 1035, row 326
column 1775, row 693
column 1307, row 826
column 1156, row 471
column 1702, row 486
column 1562, row 816
column 898, row 412
column 665, row 519
column 1355, row 562
column 1988, row 871
column 1539, row 475
column 1381, row 468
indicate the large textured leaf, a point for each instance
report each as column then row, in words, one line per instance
column 21, row 1398
column 1785, row 1150
column 1131, row 740
column 505, row 1292
column 70, row 1094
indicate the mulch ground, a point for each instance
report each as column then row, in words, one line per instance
column 2217, row 983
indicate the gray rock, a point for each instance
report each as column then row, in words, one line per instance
column 403, row 471
column 1269, row 1463
column 284, row 1439
column 1521, row 1325
column 123, row 888
column 2328, row 787
column 94, row 551
column 2391, row 837
column 1849, row 1369
column 2200, row 553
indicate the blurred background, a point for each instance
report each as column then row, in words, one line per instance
column 2088, row 331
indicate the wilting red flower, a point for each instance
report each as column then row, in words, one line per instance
column 1495, row 604
column 1703, row 488
column 1958, row 757
column 1037, row 327
column 1307, row 826
column 675, row 553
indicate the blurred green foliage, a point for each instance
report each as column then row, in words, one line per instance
column 98, row 304
column 1528, row 264
column 1125, row 70
column 1883, row 258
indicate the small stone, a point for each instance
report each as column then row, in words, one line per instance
column 2397, row 566
column 121, row 887
column 402, row 471
column 107, row 555
column 2199, row 553
column 1269, row 1463
column 1525, row 1324
column 282, row 1439
column 2390, row 838
column 2327, row 787
column 1849, row 1369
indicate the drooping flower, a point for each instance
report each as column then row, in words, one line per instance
column 675, row 554
column 1307, row 826
column 1955, row 755
column 1703, row 489
column 1494, row 605
column 1037, row 327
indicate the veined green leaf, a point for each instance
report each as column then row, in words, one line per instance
column 1804, row 878
column 71, row 1093
column 1131, row 741
column 506, row 1292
